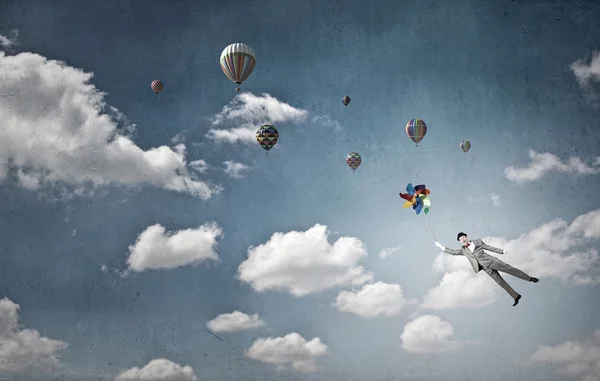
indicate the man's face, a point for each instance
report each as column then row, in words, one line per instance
column 463, row 239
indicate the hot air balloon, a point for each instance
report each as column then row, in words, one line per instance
column 346, row 100
column 416, row 130
column 465, row 145
column 353, row 160
column 267, row 136
column 157, row 86
column 238, row 61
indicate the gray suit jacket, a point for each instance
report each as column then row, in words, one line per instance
column 478, row 258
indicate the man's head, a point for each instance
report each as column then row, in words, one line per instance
column 462, row 238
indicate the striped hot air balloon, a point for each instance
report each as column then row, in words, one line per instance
column 156, row 86
column 238, row 61
column 416, row 130
column 353, row 160
column 346, row 100
column 267, row 136
column 465, row 145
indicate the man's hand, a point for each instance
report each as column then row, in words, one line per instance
column 504, row 252
column 439, row 245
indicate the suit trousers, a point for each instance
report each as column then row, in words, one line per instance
column 497, row 265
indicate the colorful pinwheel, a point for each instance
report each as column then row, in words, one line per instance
column 417, row 197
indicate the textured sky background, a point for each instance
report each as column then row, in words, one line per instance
column 133, row 225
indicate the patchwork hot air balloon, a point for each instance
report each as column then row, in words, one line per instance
column 238, row 61
column 353, row 160
column 157, row 86
column 465, row 145
column 346, row 100
column 267, row 136
column 416, row 130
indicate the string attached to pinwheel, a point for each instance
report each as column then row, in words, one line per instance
column 418, row 198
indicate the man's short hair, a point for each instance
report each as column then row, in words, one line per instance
column 460, row 235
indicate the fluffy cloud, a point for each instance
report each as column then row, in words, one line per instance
column 234, row 322
column 8, row 42
column 577, row 358
column 24, row 349
column 325, row 120
column 234, row 169
column 375, row 299
column 459, row 287
column 542, row 163
column 57, row 130
column 159, row 370
column 247, row 112
column 495, row 198
column 587, row 72
column 388, row 251
column 429, row 334
column 157, row 249
column 304, row 262
column 292, row 349
column 555, row 249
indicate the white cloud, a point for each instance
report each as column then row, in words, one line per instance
column 460, row 287
column 388, row 251
column 24, row 349
column 8, row 42
column 495, row 198
column 234, row 169
column 292, row 349
column 247, row 112
column 58, row 130
column 375, row 299
column 577, row 358
column 157, row 249
column 325, row 120
column 542, row 163
column 587, row 72
column 178, row 139
column 159, row 370
column 553, row 250
column 429, row 334
column 304, row 262
column 235, row 322
column 199, row 166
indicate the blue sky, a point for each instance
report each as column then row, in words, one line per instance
column 134, row 224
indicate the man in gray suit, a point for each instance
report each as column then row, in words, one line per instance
column 479, row 260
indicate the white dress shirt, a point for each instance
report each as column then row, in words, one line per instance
column 471, row 246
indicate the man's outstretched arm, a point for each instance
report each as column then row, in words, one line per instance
column 492, row 248
column 446, row 250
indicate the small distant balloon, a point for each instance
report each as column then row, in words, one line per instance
column 267, row 136
column 237, row 62
column 346, row 100
column 416, row 129
column 353, row 160
column 157, row 86
column 465, row 145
